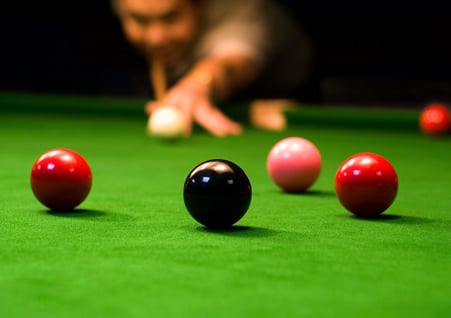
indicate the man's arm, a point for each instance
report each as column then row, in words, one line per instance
column 224, row 75
column 211, row 80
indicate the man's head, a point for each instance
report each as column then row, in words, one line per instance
column 166, row 29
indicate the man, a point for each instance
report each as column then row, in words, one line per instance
column 213, row 50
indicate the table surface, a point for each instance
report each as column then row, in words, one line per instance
column 132, row 250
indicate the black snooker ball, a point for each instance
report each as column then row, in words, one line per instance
column 217, row 193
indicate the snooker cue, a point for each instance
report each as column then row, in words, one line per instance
column 158, row 79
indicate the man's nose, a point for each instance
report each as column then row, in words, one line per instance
column 157, row 34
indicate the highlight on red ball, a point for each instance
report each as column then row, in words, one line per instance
column 435, row 119
column 366, row 184
column 61, row 179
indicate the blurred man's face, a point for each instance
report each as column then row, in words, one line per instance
column 160, row 28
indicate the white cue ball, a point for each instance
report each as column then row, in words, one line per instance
column 166, row 122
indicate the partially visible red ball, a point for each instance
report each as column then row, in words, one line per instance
column 435, row 120
column 61, row 179
column 366, row 184
column 294, row 164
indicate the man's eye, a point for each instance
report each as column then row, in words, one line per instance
column 170, row 17
column 142, row 20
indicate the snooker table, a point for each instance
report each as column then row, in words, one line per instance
column 132, row 250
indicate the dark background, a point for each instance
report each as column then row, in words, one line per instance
column 383, row 54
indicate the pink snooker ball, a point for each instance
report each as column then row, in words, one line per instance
column 294, row 164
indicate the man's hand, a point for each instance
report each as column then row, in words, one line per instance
column 192, row 97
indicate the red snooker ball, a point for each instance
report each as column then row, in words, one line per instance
column 294, row 164
column 61, row 179
column 435, row 120
column 366, row 184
